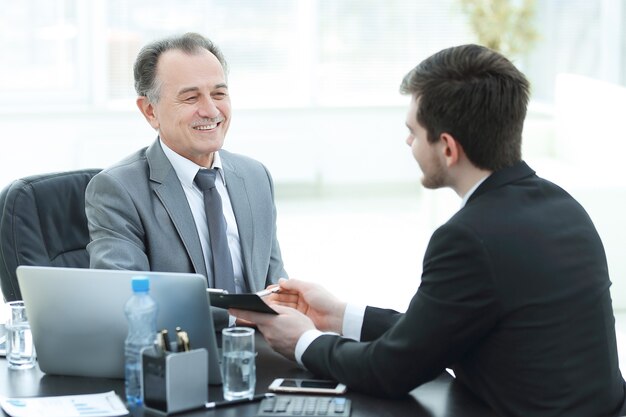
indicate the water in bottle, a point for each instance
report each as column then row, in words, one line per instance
column 141, row 312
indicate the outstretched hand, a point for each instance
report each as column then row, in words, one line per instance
column 281, row 331
column 324, row 309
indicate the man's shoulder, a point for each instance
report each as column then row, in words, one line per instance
column 528, row 203
column 127, row 172
column 135, row 162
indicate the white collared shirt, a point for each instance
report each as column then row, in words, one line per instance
column 186, row 171
column 351, row 329
column 471, row 191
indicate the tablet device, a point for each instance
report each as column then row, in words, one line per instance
column 250, row 302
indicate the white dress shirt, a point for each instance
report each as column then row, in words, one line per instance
column 186, row 171
column 351, row 329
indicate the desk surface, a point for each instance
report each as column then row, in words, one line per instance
column 442, row 397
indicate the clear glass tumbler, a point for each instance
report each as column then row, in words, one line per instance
column 238, row 363
column 20, row 347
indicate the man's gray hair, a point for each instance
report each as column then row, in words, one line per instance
column 145, row 68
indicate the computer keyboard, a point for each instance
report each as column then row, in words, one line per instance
column 304, row 405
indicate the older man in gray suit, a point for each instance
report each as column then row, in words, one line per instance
column 147, row 213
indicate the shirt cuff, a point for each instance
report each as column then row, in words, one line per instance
column 232, row 320
column 353, row 321
column 304, row 342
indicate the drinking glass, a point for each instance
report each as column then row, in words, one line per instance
column 20, row 347
column 238, row 363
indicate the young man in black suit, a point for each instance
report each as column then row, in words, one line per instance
column 514, row 294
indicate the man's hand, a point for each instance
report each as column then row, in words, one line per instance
column 324, row 309
column 243, row 323
column 281, row 331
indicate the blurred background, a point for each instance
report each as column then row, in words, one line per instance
column 314, row 88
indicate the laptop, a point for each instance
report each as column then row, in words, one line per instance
column 78, row 323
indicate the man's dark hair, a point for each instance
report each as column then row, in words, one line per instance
column 477, row 96
column 145, row 67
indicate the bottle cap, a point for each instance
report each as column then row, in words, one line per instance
column 140, row 284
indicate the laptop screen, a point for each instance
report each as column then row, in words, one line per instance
column 78, row 322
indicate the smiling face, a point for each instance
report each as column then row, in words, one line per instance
column 193, row 112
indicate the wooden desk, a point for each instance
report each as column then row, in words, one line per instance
column 442, row 397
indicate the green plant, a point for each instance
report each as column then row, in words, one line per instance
column 503, row 25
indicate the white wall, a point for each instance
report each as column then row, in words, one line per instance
column 591, row 144
column 298, row 145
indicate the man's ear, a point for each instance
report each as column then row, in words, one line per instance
column 147, row 109
column 452, row 150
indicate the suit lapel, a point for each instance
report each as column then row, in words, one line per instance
column 166, row 186
column 242, row 209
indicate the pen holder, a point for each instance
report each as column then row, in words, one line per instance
column 175, row 382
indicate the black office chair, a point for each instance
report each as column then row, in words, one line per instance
column 42, row 222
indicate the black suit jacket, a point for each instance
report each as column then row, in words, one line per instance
column 514, row 298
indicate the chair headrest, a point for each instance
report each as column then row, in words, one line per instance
column 43, row 223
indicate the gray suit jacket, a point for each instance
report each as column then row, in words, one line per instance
column 139, row 219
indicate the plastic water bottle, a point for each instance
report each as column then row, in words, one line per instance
column 141, row 312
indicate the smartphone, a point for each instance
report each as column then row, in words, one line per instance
column 312, row 386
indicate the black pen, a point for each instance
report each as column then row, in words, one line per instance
column 252, row 399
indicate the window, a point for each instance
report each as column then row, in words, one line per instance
column 282, row 53
column 286, row 53
column 43, row 51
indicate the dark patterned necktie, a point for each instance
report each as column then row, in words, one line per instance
column 222, row 263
